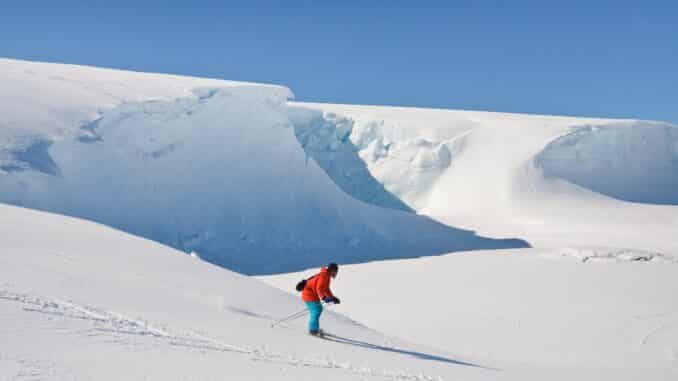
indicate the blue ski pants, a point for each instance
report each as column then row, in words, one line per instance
column 314, row 309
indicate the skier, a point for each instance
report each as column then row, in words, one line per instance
column 317, row 288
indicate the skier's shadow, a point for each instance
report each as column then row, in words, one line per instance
column 423, row 356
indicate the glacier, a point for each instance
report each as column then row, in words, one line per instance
column 635, row 162
column 248, row 179
column 219, row 172
column 240, row 175
column 554, row 181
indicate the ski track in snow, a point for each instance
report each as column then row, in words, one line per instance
column 31, row 369
column 666, row 322
column 113, row 322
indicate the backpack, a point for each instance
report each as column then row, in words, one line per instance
column 302, row 284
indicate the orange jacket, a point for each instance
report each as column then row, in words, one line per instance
column 317, row 287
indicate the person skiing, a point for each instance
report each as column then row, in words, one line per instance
column 317, row 289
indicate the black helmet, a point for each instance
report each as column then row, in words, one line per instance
column 332, row 267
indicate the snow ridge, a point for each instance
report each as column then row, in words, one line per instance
column 262, row 207
column 369, row 159
column 285, row 186
column 635, row 162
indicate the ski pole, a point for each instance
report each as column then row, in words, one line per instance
column 289, row 318
column 295, row 315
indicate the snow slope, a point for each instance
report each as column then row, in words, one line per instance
column 260, row 185
column 81, row 301
column 53, row 100
column 205, row 166
column 554, row 181
column 250, row 181
column 595, row 299
column 535, row 314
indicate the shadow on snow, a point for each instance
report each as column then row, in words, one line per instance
column 419, row 355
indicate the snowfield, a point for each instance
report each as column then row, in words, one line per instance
column 553, row 181
column 81, row 301
column 219, row 172
column 518, row 246
column 525, row 311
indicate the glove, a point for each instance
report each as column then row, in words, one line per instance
column 330, row 299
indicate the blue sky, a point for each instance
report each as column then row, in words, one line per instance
column 590, row 58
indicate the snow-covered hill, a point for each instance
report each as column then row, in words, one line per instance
column 215, row 170
column 566, row 314
column 554, row 181
column 81, row 301
column 246, row 179
column 256, row 184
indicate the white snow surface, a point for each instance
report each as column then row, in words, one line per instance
column 81, row 301
column 53, row 100
column 553, row 181
column 533, row 313
column 236, row 174
column 216, row 170
column 261, row 185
